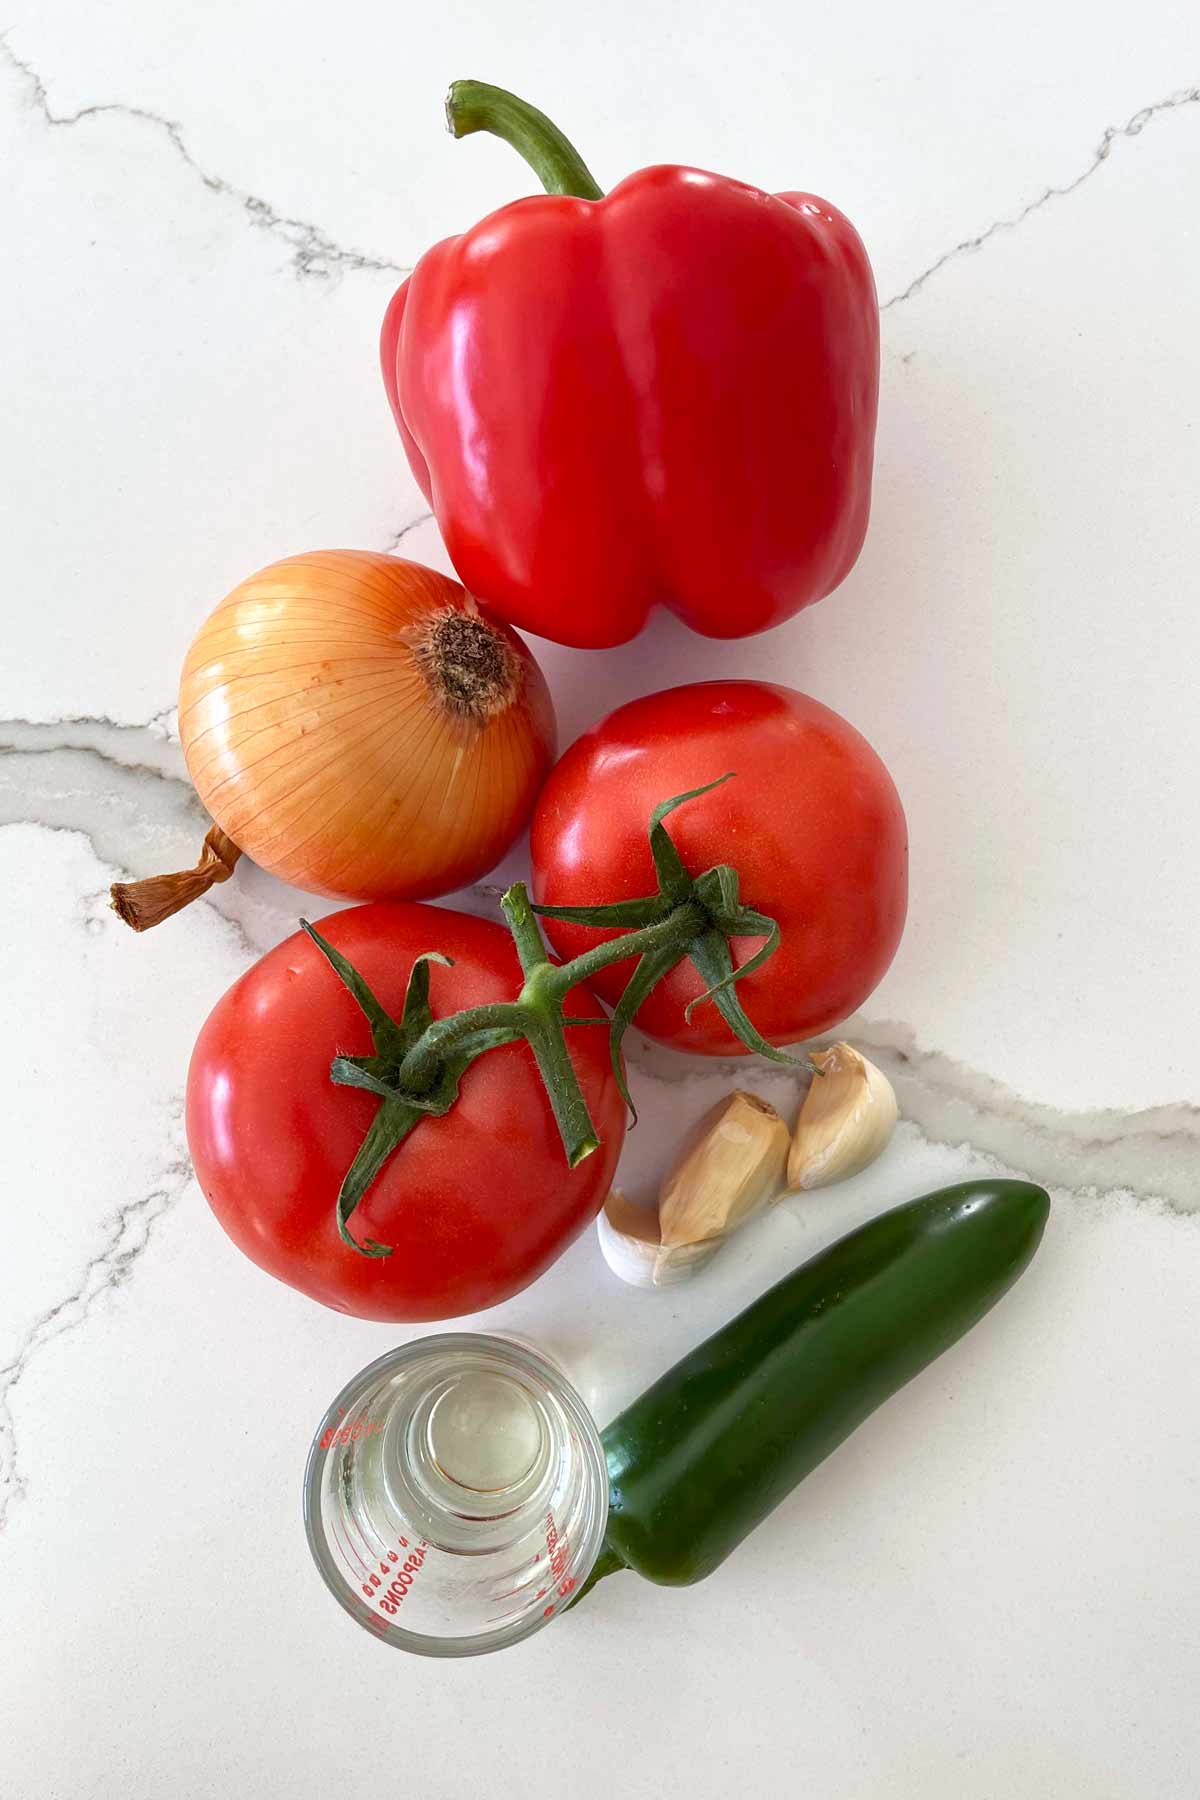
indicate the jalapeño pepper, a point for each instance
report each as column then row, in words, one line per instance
column 719, row 1440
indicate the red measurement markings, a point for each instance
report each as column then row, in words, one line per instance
column 400, row 1574
column 557, row 1549
column 348, row 1434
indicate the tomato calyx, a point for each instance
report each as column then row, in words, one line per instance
column 711, row 903
column 402, row 1107
column 418, row 1061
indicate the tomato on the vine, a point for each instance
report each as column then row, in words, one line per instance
column 812, row 824
column 475, row 1204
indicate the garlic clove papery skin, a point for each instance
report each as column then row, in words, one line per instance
column 732, row 1166
column 847, row 1119
column 630, row 1245
column 630, row 1257
column 679, row 1262
column 731, row 1170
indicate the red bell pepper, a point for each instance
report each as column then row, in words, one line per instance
column 662, row 395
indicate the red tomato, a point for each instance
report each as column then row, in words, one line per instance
column 476, row 1203
column 812, row 823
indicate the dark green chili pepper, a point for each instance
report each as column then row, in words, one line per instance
column 719, row 1440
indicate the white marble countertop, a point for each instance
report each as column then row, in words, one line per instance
column 993, row 1589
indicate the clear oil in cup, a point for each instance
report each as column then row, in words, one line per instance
column 456, row 1494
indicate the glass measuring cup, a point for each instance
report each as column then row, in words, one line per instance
column 456, row 1494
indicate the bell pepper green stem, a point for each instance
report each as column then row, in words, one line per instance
column 477, row 106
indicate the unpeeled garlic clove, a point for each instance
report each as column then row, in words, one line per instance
column 848, row 1115
column 732, row 1169
column 632, row 1248
column 679, row 1262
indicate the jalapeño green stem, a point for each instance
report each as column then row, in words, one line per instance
column 477, row 106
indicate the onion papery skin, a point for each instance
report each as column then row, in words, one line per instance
column 330, row 731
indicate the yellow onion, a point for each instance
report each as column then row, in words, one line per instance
column 358, row 726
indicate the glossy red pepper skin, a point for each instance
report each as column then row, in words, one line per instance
column 666, row 396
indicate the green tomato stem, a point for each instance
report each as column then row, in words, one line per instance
column 536, row 1014
column 575, row 1126
column 677, row 929
column 527, row 933
column 436, row 1045
column 417, row 1063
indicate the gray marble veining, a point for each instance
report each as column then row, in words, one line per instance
column 992, row 1587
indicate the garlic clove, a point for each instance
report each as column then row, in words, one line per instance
column 679, row 1262
column 629, row 1241
column 848, row 1115
column 630, row 1245
column 728, row 1172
